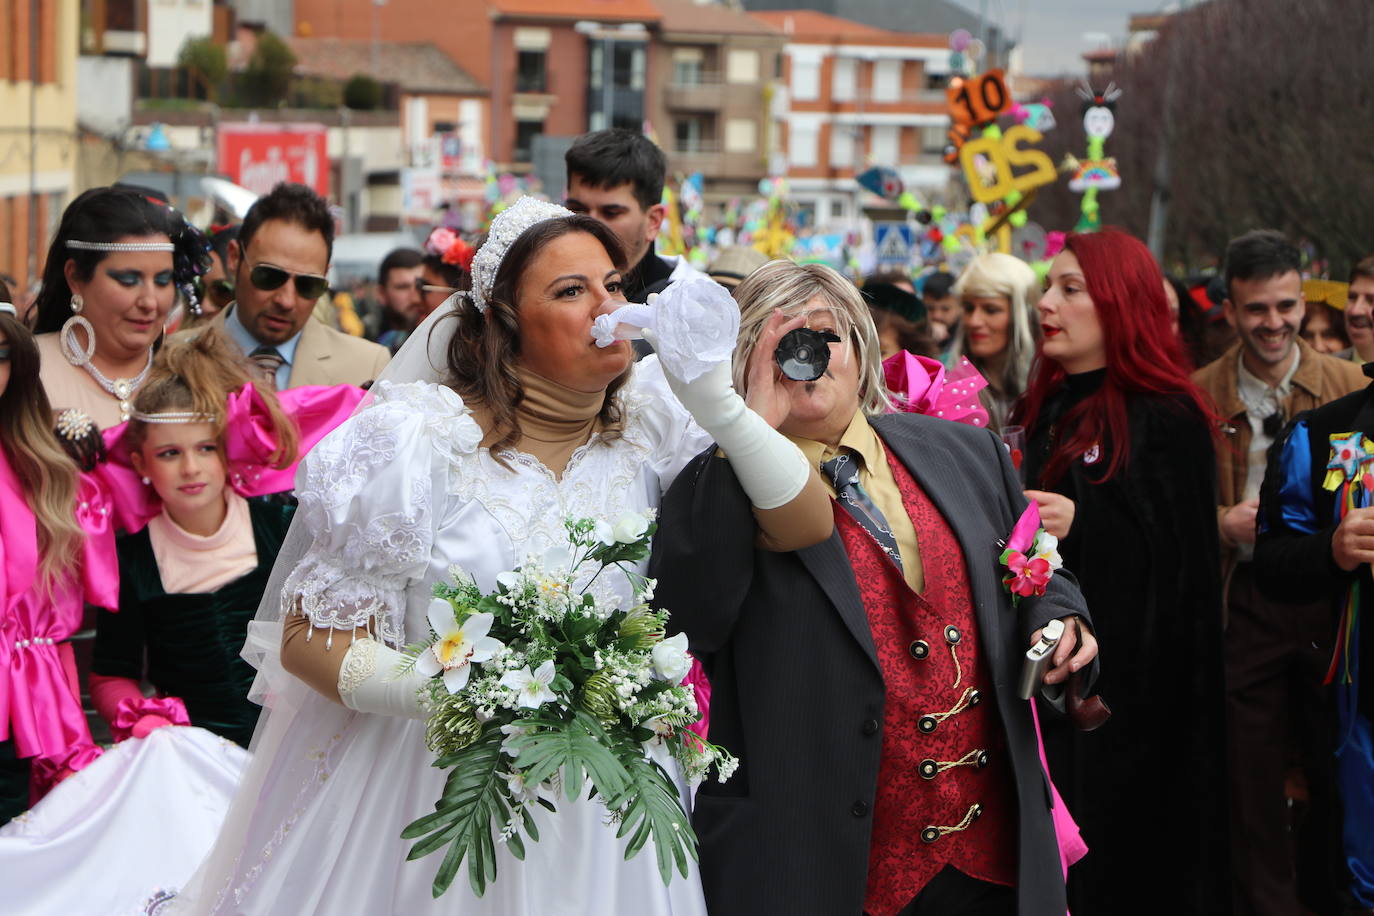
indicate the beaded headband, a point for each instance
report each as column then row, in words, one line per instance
column 183, row 416
column 120, row 246
column 508, row 226
column 7, row 308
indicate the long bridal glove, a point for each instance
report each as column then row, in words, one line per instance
column 771, row 469
column 369, row 681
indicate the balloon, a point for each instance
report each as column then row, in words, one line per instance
column 959, row 39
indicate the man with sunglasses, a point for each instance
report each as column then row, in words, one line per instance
column 1275, row 656
column 278, row 264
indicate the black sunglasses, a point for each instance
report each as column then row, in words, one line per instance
column 267, row 277
column 222, row 291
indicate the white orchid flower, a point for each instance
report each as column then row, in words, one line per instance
column 510, row 579
column 671, row 661
column 457, row 646
column 532, row 688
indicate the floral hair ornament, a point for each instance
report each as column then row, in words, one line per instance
column 450, row 247
column 508, row 226
column 1031, row 556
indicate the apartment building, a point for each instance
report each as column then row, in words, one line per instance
column 718, row 69
column 858, row 96
column 37, row 130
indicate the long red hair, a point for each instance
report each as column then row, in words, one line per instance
column 1144, row 355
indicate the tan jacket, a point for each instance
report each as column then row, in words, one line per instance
column 325, row 356
column 1319, row 379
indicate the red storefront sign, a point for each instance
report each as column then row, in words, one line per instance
column 258, row 156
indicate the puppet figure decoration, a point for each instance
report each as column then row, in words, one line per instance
column 1097, row 172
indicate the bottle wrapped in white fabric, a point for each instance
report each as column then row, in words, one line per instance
column 694, row 324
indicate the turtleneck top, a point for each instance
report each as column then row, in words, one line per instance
column 555, row 420
column 194, row 563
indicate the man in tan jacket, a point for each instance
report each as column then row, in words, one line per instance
column 1275, row 653
column 279, row 263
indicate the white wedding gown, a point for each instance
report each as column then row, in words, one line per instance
column 393, row 498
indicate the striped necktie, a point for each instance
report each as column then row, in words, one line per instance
column 268, row 361
column 843, row 471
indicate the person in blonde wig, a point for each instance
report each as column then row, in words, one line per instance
column 842, row 670
column 830, row 303
column 998, row 332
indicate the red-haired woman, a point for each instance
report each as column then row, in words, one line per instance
column 1120, row 446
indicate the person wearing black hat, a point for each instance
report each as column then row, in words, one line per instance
column 900, row 317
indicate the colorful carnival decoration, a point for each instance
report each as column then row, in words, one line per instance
column 1097, row 172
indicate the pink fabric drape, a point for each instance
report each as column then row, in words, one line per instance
column 249, row 443
column 40, row 701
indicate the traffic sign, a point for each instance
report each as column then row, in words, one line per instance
column 894, row 243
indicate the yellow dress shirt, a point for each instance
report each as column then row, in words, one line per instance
column 875, row 476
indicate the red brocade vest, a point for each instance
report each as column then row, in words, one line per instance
column 945, row 795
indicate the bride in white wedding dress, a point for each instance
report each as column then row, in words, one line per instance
column 479, row 441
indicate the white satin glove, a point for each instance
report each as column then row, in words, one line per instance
column 368, row 682
column 771, row 469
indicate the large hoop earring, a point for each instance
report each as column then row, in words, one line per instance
column 77, row 303
column 70, row 348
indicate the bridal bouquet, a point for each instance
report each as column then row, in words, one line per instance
column 543, row 686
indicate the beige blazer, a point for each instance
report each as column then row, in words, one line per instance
column 325, row 356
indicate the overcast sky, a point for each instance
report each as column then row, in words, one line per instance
column 1052, row 31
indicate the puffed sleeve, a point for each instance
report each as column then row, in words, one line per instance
column 368, row 497
column 674, row 437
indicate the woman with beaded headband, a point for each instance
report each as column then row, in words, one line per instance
column 56, row 553
column 111, row 278
column 191, row 579
column 500, row 417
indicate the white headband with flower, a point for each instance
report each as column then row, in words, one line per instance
column 508, row 226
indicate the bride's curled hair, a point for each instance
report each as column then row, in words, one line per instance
column 484, row 350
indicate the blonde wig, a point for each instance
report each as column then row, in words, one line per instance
column 997, row 275
column 792, row 287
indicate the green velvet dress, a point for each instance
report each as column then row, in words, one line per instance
column 191, row 642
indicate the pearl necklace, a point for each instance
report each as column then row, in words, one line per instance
column 121, row 389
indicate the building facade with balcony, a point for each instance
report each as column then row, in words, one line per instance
column 858, row 96
column 718, row 69
column 38, row 96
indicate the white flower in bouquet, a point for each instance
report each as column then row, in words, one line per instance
column 627, row 529
column 457, row 646
column 671, row 661
column 531, row 688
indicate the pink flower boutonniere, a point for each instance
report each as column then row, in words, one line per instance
column 1031, row 556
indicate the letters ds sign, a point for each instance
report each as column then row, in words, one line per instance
column 258, row 156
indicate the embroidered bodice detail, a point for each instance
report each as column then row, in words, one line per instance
column 404, row 490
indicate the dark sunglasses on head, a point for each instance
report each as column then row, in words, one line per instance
column 267, row 277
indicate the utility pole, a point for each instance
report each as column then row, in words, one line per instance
column 1159, row 198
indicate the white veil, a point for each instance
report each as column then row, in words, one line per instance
column 291, row 710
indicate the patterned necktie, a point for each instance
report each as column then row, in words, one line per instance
column 843, row 471
column 268, row 361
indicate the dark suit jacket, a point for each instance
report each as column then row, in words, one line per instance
column 795, row 677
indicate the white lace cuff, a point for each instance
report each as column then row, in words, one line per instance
column 343, row 600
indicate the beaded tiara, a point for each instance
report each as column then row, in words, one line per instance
column 508, row 226
column 181, row 416
column 120, row 246
column 8, row 308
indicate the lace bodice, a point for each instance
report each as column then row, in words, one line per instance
column 402, row 491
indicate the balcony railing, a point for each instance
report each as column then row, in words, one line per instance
column 706, row 92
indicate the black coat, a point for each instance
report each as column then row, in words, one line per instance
column 1148, row 788
column 797, row 688
column 1297, row 520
